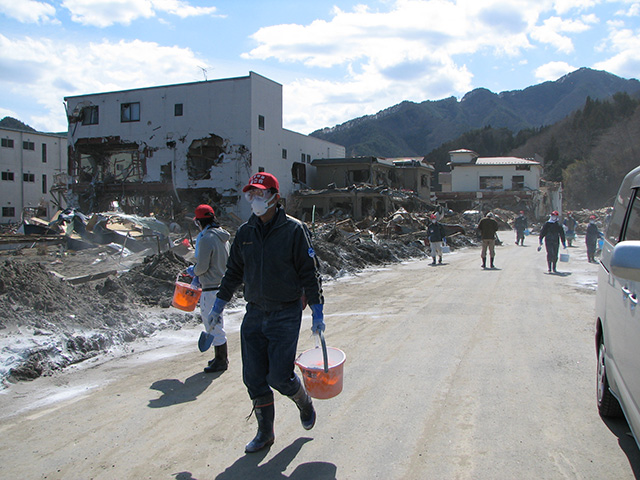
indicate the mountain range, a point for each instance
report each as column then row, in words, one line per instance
column 415, row 129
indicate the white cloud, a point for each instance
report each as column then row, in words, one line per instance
column 551, row 32
column 49, row 70
column 564, row 6
column 182, row 9
column 104, row 13
column 625, row 62
column 28, row 11
column 553, row 71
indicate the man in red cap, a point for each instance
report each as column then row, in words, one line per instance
column 272, row 255
column 212, row 251
column 552, row 232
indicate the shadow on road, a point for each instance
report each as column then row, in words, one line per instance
column 249, row 466
column 174, row 391
column 620, row 429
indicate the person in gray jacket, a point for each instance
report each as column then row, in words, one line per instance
column 212, row 252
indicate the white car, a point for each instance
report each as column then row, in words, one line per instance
column 618, row 314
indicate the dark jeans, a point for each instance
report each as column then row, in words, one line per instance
column 269, row 341
column 591, row 249
column 552, row 251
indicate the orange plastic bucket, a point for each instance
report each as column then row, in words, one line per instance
column 321, row 384
column 185, row 297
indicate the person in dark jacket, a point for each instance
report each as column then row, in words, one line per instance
column 436, row 236
column 488, row 227
column 273, row 256
column 520, row 225
column 591, row 238
column 552, row 233
column 570, row 228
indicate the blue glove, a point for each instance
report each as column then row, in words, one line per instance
column 190, row 271
column 213, row 317
column 317, row 322
column 195, row 283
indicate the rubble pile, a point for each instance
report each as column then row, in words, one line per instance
column 71, row 323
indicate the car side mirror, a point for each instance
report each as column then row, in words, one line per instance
column 625, row 260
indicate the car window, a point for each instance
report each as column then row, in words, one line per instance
column 632, row 227
column 615, row 223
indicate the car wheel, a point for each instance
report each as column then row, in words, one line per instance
column 608, row 405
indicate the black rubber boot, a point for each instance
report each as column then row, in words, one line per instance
column 265, row 414
column 484, row 263
column 307, row 413
column 492, row 265
column 220, row 362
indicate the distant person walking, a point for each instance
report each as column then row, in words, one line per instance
column 591, row 238
column 436, row 236
column 570, row 228
column 552, row 233
column 520, row 225
column 488, row 227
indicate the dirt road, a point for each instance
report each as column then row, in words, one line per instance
column 453, row 372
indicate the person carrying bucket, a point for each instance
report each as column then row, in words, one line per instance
column 552, row 233
column 212, row 251
column 273, row 256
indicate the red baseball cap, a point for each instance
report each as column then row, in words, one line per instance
column 204, row 211
column 263, row 181
column 555, row 212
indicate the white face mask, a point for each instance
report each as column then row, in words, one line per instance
column 260, row 205
column 553, row 218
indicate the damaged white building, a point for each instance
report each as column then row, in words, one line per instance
column 33, row 166
column 159, row 149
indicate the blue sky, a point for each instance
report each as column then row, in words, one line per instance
column 336, row 60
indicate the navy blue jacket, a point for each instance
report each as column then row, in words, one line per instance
column 276, row 262
column 552, row 232
column 435, row 232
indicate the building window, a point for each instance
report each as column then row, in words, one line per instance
column 523, row 167
column 7, row 142
column 8, row 211
column 261, row 122
column 284, row 153
column 491, row 183
column 29, row 177
column 177, row 110
column 7, row 176
column 44, row 153
column 44, row 183
column 130, row 112
column 28, row 146
column 517, row 182
column 308, row 158
column 302, row 157
column 90, row 115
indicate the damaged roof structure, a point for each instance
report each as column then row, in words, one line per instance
column 364, row 187
column 166, row 148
